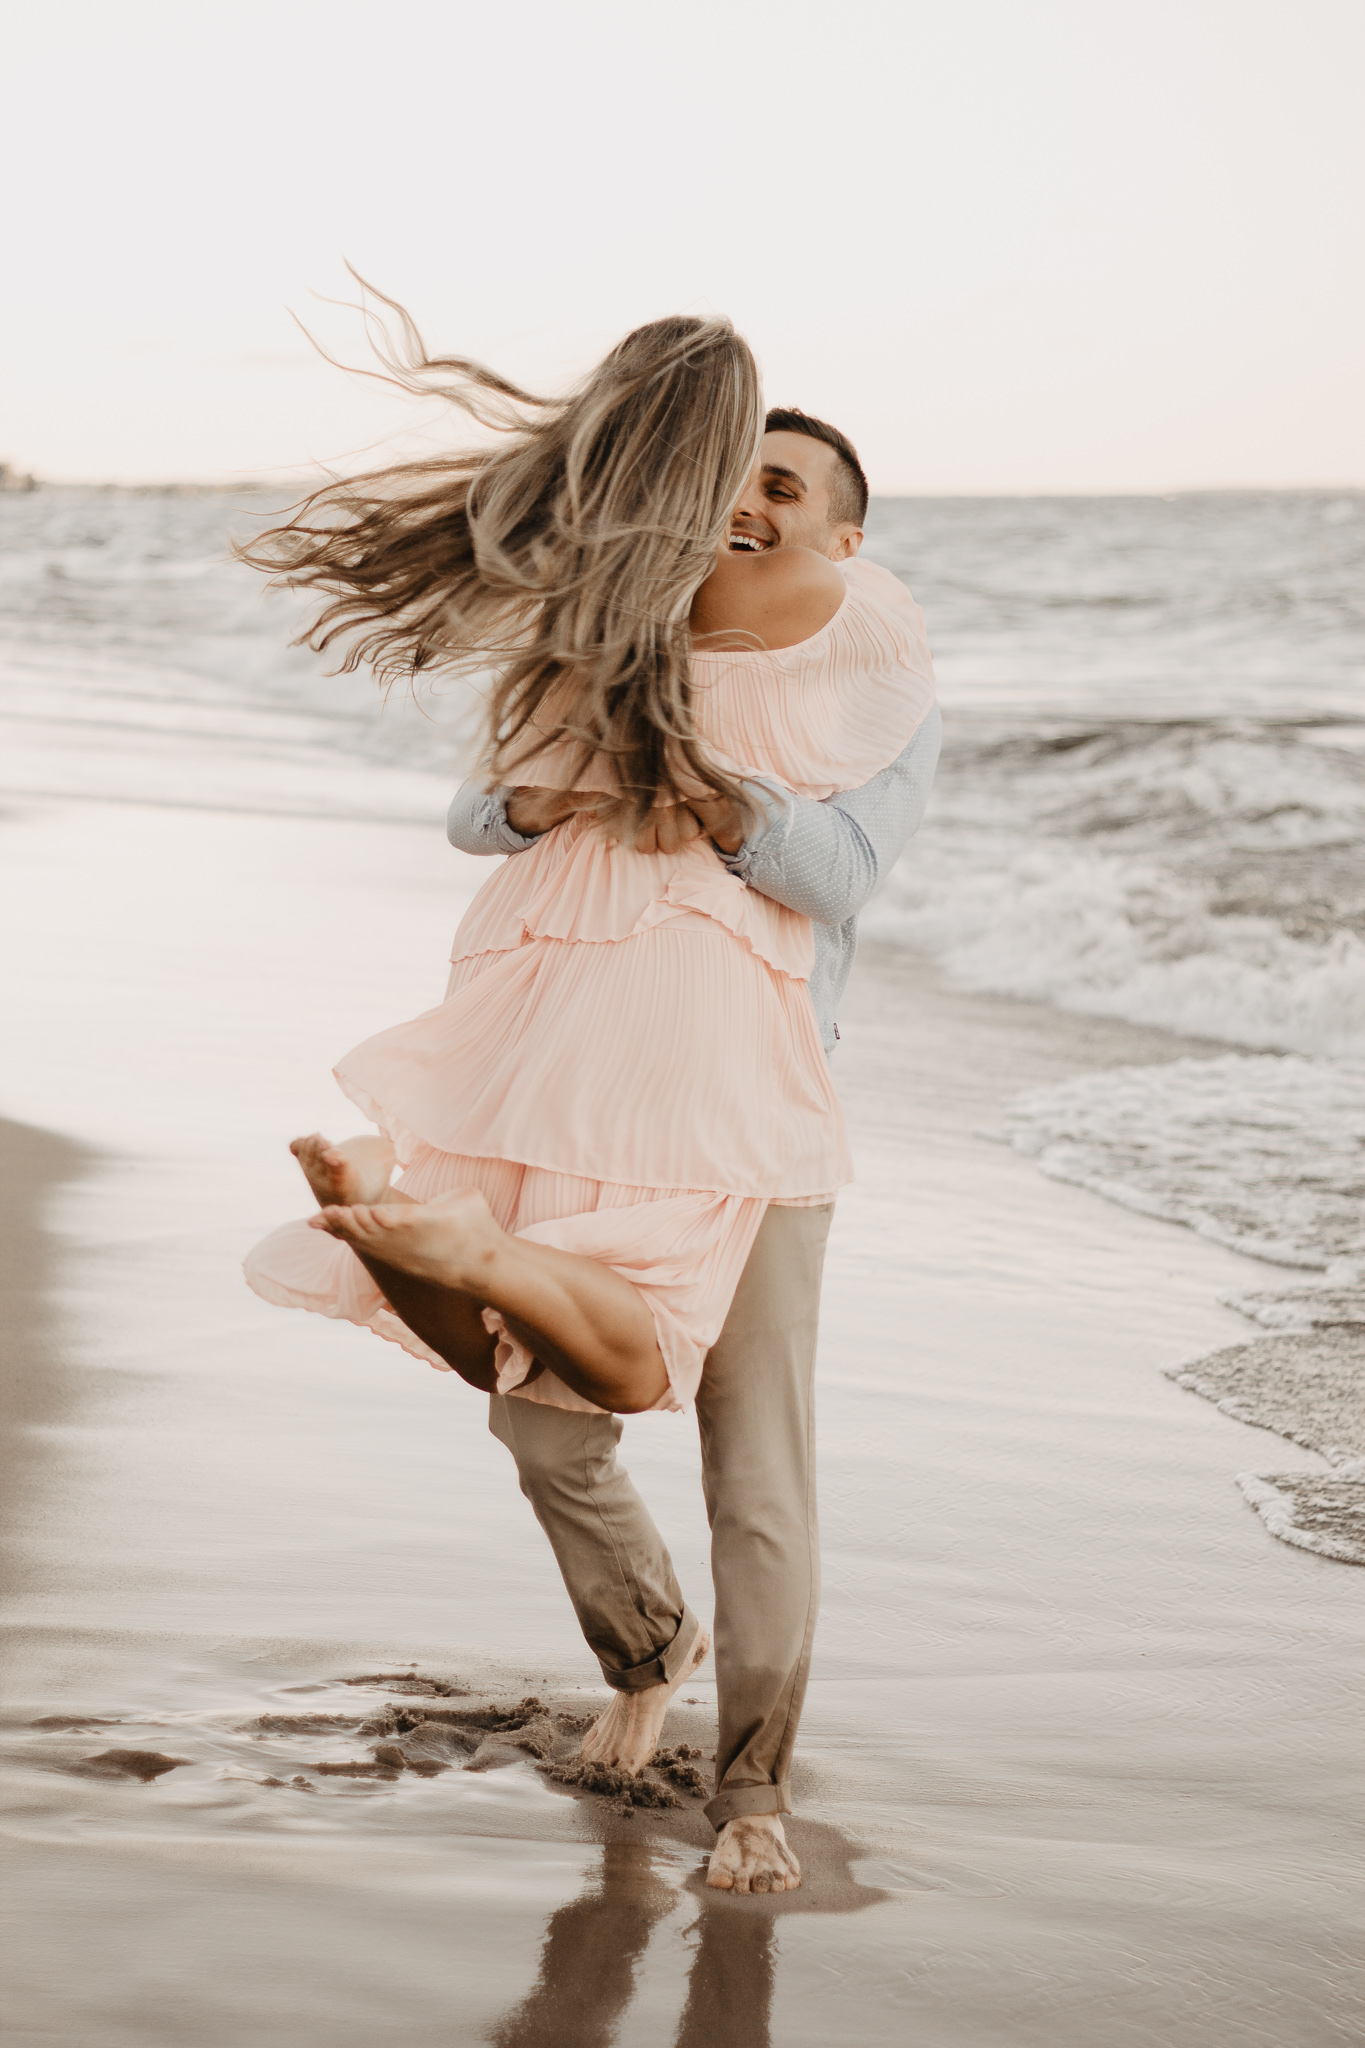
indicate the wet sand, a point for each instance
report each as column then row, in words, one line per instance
column 34, row 1166
column 1080, row 1731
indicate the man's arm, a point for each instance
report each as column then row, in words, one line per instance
column 477, row 822
column 825, row 859
column 509, row 820
column 822, row 859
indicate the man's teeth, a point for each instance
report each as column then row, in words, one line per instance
column 746, row 540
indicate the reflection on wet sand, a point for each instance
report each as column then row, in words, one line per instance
column 34, row 1389
column 592, row 1948
column 730, row 1985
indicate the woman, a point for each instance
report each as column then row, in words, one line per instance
column 625, row 1070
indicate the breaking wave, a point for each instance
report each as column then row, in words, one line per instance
column 1204, row 876
column 1262, row 1153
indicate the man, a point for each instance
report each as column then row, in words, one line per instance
column 754, row 1406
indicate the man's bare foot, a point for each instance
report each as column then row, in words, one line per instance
column 752, row 1856
column 452, row 1241
column 627, row 1734
column 357, row 1170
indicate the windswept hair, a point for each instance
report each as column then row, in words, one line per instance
column 565, row 557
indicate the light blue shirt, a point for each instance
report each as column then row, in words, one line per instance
column 821, row 859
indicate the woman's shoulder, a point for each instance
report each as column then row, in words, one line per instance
column 775, row 601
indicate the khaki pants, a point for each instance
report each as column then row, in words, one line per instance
column 755, row 1414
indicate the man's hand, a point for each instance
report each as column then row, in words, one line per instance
column 722, row 821
column 533, row 811
column 667, row 829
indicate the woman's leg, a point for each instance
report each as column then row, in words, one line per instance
column 578, row 1317
column 451, row 1323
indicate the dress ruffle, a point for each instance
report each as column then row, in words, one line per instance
column 833, row 711
column 581, row 890
column 685, row 1249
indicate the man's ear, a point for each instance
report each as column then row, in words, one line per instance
column 847, row 541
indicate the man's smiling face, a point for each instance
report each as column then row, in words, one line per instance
column 787, row 501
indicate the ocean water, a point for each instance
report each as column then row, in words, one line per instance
column 1151, row 804
column 139, row 662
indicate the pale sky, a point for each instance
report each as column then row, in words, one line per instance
column 1008, row 245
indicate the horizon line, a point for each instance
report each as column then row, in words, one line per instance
column 26, row 483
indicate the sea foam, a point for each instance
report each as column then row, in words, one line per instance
column 1265, row 1154
column 1203, row 876
column 1262, row 1153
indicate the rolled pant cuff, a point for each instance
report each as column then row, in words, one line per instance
column 743, row 1799
column 661, row 1669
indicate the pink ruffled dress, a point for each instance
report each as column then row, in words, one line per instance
column 626, row 1061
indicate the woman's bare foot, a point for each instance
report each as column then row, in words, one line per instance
column 357, row 1170
column 452, row 1241
column 752, row 1856
column 627, row 1734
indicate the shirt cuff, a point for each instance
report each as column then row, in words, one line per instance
column 771, row 801
column 492, row 822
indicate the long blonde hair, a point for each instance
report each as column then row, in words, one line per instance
column 566, row 556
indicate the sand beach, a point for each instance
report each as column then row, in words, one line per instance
column 1080, row 1733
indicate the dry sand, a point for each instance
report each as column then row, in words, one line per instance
column 1080, row 1736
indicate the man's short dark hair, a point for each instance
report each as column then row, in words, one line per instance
column 848, row 499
